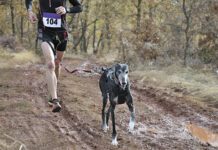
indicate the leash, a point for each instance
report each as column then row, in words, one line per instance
column 76, row 70
column 79, row 69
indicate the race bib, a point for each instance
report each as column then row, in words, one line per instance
column 52, row 20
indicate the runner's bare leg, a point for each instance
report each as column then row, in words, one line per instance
column 60, row 55
column 51, row 78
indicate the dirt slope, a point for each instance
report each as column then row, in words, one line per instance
column 26, row 121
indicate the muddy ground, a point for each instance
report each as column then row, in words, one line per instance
column 26, row 121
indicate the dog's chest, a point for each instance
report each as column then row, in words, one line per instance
column 119, row 95
column 115, row 89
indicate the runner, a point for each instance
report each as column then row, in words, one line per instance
column 53, row 34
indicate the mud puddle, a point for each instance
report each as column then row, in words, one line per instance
column 203, row 135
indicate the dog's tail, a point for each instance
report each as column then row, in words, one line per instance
column 104, row 69
column 101, row 70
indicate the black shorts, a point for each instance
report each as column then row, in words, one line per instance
column 58, row 38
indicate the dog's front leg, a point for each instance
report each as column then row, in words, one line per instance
column 132, row 111
column 104, row 124
column 114, row 133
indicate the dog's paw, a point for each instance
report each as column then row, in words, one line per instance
column 114, row 141
column 105, row 128
column 131, row 126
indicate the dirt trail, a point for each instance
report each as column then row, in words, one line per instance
column 26, row 121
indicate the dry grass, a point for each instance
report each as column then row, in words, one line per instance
column 10, row 60
column 108, row 58
column 195, row 83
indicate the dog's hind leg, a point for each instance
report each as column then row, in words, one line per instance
column 104, row 124
column 132, row 111
column 114, row 133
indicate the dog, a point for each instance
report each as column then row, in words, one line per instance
column 115, row 86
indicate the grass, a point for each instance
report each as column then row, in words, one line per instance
column 200, row 85
column 10, row 60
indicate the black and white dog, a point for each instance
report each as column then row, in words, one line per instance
column 114, row 85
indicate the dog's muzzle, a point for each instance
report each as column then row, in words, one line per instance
column 123, row 84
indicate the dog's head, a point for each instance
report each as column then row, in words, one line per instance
column 121, row 72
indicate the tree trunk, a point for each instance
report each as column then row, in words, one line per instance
column 107, row 32
column 12, row 18
column 74, row 23
column 98, row 44
column 94, row 36
column 84, row 23
column 187, row 37
column 21, row 24
column 138, row 16
column 84, row 40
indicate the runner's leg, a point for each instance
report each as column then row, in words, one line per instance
column 51, row 78
column 60, row 48
column 60, row 55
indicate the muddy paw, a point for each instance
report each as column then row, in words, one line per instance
column 105, row 128
column 131, row 126
column 114, row 142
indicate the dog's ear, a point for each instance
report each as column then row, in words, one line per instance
column 118, row 64
column 127, row 67
column 111, row 72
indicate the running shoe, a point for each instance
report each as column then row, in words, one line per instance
column 51, row 102
column 56, row 105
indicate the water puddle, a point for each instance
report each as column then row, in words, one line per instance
column 203, row 134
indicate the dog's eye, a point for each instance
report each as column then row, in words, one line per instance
column 119, row 72
column 127, row 72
